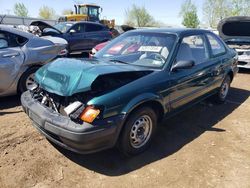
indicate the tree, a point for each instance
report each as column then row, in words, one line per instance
column 20, row 10
column 240, row 8
column 189, row 14
column 139, row 17
column 66, row 11
column 47, row 12
column 216, row 10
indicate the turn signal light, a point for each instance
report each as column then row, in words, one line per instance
column 89, row 114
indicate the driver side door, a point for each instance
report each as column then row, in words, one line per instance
column 188, row 84
column 11, row 59
column 76, row 39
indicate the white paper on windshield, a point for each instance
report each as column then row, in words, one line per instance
column 150, row 49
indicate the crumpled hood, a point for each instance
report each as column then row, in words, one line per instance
column 66, row 77
column 237, row 27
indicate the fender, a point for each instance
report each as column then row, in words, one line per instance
column 142, row 98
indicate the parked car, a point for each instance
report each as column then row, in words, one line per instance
column 119, row 98
column 98, row 47
column 21, row 54
column 81, row 36
column 235, row 32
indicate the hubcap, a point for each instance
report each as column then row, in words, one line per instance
column 141, row 131
column 224, row 90
column 30, row 81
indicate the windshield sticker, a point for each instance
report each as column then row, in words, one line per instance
column 150, row 49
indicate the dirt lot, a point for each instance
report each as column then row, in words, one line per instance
column 205, row 146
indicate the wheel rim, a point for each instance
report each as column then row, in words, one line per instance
column 224, row 90
column 30, row 81
column 141, row 131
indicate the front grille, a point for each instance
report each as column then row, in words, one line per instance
column 50, row 100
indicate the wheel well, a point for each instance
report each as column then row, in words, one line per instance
column 156, row 106
column 30, row 67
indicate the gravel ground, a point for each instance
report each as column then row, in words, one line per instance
column 205, row 146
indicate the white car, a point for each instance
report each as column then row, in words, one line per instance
column 235, row 31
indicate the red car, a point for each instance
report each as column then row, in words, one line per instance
column 115, row 49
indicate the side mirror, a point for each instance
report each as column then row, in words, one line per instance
column 183, row 65
column 72, row 31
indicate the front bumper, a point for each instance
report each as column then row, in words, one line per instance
column 85, row 138
column 244, row 59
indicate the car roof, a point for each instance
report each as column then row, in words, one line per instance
column 13, row 30
column 86, row 22
column 176, row 31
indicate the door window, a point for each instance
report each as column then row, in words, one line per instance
column 193, row 48
column 93, row 28
column 11, row 40
column 216, row 45
column 79, row 28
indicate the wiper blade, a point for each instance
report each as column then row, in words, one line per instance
column 118, row 61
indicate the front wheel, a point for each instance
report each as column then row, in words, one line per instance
column 27, row 80
column 138, row 131
column 223, row 91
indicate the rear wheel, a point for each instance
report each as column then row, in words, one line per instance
column 222, row 94
column 27, row 80
column 138, row 131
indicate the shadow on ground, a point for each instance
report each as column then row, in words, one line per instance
column 244, row 71
column 9, row 102
column 171, row 136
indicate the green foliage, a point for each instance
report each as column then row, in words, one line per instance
column 47, row 12
column 189, row 14
column 20, row 10
column 67, row 12
column 216, row 10
column 139, row 17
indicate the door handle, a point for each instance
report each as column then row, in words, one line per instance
column 11, row 55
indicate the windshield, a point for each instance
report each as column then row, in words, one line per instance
column 93, row 11
column 83, row 10
column 63, row 27
column 148, row 49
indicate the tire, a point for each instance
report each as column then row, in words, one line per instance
column 222, row 94
column 141, row 123
column 26, row 79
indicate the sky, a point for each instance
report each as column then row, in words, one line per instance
column 166, row 11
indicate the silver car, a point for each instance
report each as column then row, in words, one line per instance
column 21, row 54
column 235, row 32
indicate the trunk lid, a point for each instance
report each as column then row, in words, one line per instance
column 43, row 25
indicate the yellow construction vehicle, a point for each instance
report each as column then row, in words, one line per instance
column 89, row 12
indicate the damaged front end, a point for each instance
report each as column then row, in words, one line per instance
column 73, row 107
column 69, row 89
column 61, row 104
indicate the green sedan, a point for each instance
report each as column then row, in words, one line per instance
column 118, row 97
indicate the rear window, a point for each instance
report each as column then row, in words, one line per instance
column 12, row 39
column 216, row 45
column 93, row 28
